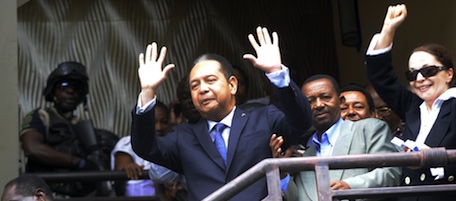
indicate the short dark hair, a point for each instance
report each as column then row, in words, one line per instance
column 27, row 184
column 356, row 87
column 161, row 104
column 324, row 76
column 226, row 66
column 243, row 73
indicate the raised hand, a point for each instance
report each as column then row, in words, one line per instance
column 268, row 53
column 394, row 17
column 150, row 71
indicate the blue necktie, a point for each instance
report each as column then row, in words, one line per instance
column 219, row 141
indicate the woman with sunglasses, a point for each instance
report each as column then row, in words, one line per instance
column 428, row 108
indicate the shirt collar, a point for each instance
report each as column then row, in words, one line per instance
column 450, row 93
column 332, row 133
column 227, row 120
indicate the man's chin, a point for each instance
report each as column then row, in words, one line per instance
column 67, row 107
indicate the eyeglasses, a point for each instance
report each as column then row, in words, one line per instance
column 383, row 111
column 427, row 71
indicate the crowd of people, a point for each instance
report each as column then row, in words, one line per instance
column 211, row 133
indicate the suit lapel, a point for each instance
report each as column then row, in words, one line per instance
column 413, row 122
column 307, row 178
column 344, row 140
column 441, row 125
column 342, row 146
column 239, row 120
column 201, row 132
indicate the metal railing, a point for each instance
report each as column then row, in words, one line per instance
column 321, row 165
column 94, row 176
column 270, row 167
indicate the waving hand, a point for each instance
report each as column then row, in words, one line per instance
column 150, row 71
column 268, row 53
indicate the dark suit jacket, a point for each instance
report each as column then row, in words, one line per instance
column 406, row 104
column 188, row 149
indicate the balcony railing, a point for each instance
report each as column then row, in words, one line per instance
column 270, row 167
column 434, row 157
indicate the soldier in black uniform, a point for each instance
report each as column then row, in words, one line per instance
column 55, row 140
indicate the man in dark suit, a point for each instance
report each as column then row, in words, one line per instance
column 189, row 148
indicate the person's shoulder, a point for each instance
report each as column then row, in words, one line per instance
column 367, row 123
column 31, row 117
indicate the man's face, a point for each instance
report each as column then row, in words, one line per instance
column 354, row 106
column 212, row 94
column 67, row 95
column 324, row 102
column 186, row 104
column 162, row 124
column 383, row 112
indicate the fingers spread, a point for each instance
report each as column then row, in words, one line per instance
column 141, row 59
column 154, row 52
column 275, row 39
column 162, row 54
column 253, row 42
column 267, row 38
column 260, row 36
column 148, row 53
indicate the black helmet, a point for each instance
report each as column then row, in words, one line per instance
column 66, row 71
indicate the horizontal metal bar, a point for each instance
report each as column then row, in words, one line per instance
column 296, row 164
column 136, row 198
column 393, row 191
column 88, row 176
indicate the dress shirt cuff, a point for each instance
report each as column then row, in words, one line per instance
column 370, row 50
column 141, row 109
column 280, row 78
column 284, row 183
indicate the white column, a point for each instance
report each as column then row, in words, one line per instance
column 9, row 124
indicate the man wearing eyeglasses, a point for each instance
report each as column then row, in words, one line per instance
column 53, row 138
column 383, row 112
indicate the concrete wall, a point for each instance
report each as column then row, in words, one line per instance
column 9, row 146
column 427, row 21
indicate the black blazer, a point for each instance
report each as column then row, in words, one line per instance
column 406, row 104
column 188, row 149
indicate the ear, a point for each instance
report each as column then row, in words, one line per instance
column 233, row 84
column 450, row 75
column 40, row 194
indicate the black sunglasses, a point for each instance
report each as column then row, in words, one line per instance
column 427, row 71
column 75, row 85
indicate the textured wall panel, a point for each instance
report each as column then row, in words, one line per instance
column 108, row 35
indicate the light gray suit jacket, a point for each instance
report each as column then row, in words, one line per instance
column 360, row 137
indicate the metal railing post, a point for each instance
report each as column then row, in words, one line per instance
column 323, row 182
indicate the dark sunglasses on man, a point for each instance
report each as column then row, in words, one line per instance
column 77, row 86
column 427, row 71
